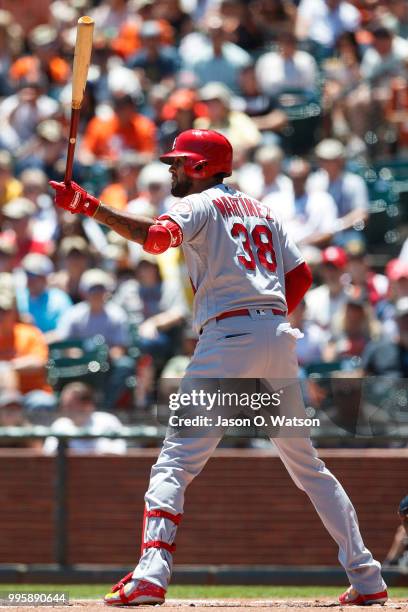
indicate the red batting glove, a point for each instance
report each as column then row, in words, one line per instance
column 75, row 199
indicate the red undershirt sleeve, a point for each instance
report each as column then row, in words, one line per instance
column 297, row 282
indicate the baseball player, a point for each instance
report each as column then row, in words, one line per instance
column 247, row 275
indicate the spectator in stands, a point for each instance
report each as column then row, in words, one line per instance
column 19, row 221
column 354, row 327
column 75, row 259
column 395, row 17
column 310, row 344
column 327, row 300
column 155, row 305
column 386, row 58
column 44, row 149
column 41, row 305
column 389, row 357
column 397, row 276
column 323, row 21
column 214, row 58
column 345, row 96
column 273, row 17
column 107, row 139
column 240, row 18
column 124, row 188
column 10, row 187
column 8, row 251
column 20, row 113
column 111, row 15
column 240, row 130
column 154, row 190
column 363, row 279
column 155, row 62
column 23, row 350
column 396, row 113
column 287, row 68
column 10, row 45
column 44, row 46
column 173, row 12
column 348, row 190
column 265, row 177
column 79, row 413
column 176, row 366
column 35, row 188
column 309, row 217
column 12, row 415
column 398, row 553
column 179, row 114
column 98, row 315
column 254, row 102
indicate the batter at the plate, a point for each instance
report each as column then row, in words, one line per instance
column 247, row 275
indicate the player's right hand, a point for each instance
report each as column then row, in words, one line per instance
column 74, row 198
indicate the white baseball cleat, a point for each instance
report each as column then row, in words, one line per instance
column 131, row 592
column 351, row 597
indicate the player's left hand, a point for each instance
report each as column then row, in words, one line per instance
column 72, row 197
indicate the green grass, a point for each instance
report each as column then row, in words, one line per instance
column 83, row 591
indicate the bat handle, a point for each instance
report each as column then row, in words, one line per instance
column 73, row 131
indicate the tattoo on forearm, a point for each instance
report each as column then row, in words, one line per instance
column 135, row 231
column 127, row 225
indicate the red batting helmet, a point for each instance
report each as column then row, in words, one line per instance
column 206, row 153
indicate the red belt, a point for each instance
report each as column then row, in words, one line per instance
column 244, row 312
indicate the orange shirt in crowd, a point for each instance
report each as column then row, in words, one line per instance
column 12, row 189
column 29, row 67
column 26, row 340
column 128, row 40
column 107, row 138
column 114, row 195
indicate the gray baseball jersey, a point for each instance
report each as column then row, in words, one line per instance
column 236, row 250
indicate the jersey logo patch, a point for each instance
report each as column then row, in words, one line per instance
column 181, row 207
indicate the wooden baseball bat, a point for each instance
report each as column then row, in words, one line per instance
column 82, row 58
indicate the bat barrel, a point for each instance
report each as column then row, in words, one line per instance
column 82, row 58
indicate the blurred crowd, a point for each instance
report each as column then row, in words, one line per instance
column 313, row 95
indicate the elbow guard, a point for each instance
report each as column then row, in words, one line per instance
column 161, row 236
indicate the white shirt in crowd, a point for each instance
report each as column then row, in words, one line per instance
column 325, row 25
column 19, row 119
column 251, row 181
column 309, row 346
column 393, row 64
column 98, row 423
column 276, row 74
column 312, row 213
column 321, row 307
column 349, row 191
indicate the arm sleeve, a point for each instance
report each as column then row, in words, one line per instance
column 297, row 282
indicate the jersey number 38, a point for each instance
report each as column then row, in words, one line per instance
column 261, row 244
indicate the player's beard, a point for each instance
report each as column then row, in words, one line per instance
column 181, row 187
